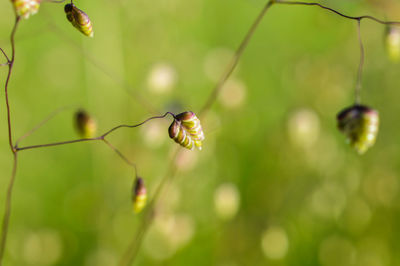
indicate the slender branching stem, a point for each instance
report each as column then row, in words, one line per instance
column 137, row 125
column 131, row 252
column 285, row 2
column 235, row 60
column 42, row 123
column 5, row 55
column 119, row 80
column 7, row 211
column 361, row 65
column 10, row 68
column 102, row 137
column 120, row 154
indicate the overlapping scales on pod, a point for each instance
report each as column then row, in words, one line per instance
column 186, row 130
column 79, row 19
column 360, row 124
column 139, row 195
column 25, row 8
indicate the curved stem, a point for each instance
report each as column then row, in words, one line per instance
column 5, row 55
column 131, row 252
column 7, row 212
column 361, row 65
column 235, row 60
column 120, row 154
column 10, row 68
column 137, row 125
column 91, row 139
column 121, row 81
column 337, row 12
column 44, row 121
column 54, row 144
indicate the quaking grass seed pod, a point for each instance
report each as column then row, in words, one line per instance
column 79, row 19
column 85, row 124
column 25, row 8
column 186, row 130
column 360, row 124
column 139, row 195
column 392, row 43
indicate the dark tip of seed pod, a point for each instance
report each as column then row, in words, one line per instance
column 68, row 8
column 138, row 187
column 356, row 109
column 81, row 115
column 185, row 115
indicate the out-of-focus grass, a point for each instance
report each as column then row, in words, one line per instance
column 275, row 183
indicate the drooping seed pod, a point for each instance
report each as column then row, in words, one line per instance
column 392, row 43
column 25, row 8
column 139, row 195
column 360, row 124
column 79, row 19
column 186, row 130
column 85, row 124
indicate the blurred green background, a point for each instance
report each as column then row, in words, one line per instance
column 275, row 183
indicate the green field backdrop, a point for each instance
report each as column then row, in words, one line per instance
column 276, row 183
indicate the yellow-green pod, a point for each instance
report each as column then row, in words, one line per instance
column 25, row 8
column 360, row 124
column 392, row 43
column 186, row 130
column 79, row 19
column 85, row 124
column 139, row 195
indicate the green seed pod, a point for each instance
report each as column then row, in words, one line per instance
column 392, row 43
column 85, row 124
column 79, row 19
column 186, row 130
column 139, row 195
column 360, row 124
column 25, row 8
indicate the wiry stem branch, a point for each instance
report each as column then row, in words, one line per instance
column 5, row 55
column 235, row 60
column 7, row 212
column 38, row 126
column 337, row 12
column 91, row 139
column 131, row 252
column 120, row 154
column 361, row 65
column 10, row 68
column 120, row 81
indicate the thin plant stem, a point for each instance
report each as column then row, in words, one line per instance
column 5, row 55
column 337, row 12
column 7, row 212
column 131, row 252
column 235, row 60
column 42, row 123
column 361, row 65
column 10, row 68
column 91, row 139
column 121, row 81
column 120, row 154
column 137, row 125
